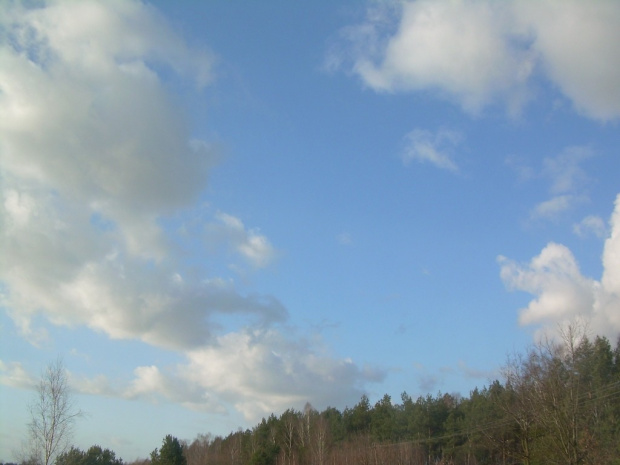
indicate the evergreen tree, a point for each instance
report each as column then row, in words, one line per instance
column 95, row 455
column 383, row 420
column 357, row 419
column 73, row 456
column 171, row 453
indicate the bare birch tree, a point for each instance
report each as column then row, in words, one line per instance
column 52, row 414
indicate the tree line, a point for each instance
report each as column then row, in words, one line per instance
column 558, row 403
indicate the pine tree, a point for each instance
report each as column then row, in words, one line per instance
column 171, row 453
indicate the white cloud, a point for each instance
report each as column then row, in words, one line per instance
column 94, row 156
column 567, row 182
column 250, row 244
column 256, row 371
column 553, row 207
column 436, row 148
column 126, row 300
column 452, row 47
column 13, row 374
column 565, row 171
column 148, row 381
column 563, row 293
column 105, row 137
column 576, row 45
column 478, row 52
column 261, row 371
column 98, row 385
column 18, row 207
column 591, row 224
column 611, row 259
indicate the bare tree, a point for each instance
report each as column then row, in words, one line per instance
column 197, row 453
column 53, row 414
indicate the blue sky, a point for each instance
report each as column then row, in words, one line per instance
column 217, row 210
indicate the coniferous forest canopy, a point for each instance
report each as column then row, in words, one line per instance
column 559, row 403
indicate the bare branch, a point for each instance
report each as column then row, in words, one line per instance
column 52, row 414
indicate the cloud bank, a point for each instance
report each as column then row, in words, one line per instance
column 562, row 293
column 480, row 52
column 96, row 162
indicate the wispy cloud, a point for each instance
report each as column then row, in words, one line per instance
column 568, row 181
column 565, row 171
column 427, row 382
column 474, row 373
column 436, row 148
column 250, row 244
column 344, row 238
column 591, row 224
column 13, row 374
column 553, row 207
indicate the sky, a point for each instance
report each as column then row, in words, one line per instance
column 212, row 211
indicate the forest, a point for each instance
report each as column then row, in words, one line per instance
column 558, row 403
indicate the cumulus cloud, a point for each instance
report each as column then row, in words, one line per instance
column 108, row 142
column 478, row 52
column 151, row 383
column 97, row 162
column 261, row 371
column 449, row 46
column 83, row 193
column 436, row 148
column 562, row 293
column 105, row 126
column 257, row 371
column 575, row 43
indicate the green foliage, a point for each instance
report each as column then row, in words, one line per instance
column 73, row 456
column 171, row 453
column 383, row 420
column 266, row 455
column 95, row 455
column 357, row 420
column 335, row 422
